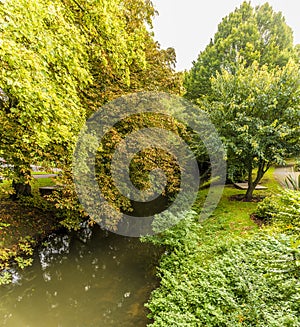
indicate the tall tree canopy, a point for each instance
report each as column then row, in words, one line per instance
column 123, row 55
column 44, row 66
column 62, row 60
column 254, row 34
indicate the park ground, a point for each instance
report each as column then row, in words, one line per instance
column 23, row 224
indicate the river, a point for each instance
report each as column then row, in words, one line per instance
column 84, row 279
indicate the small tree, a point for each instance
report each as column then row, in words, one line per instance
column 256, row 111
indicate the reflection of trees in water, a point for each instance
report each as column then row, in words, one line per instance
column 90, row 278
column 54, row 245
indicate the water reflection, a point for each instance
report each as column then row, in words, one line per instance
column 90, row 278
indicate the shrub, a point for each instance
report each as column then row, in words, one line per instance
column 293, row 182
column 252, row 282
column 282, row 209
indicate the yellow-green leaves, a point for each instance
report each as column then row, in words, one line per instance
column 43, row 67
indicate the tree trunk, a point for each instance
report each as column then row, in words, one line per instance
column 249, row 193
column 20, row 189
column 21, row 182
column 262, row 168
column 251, row 186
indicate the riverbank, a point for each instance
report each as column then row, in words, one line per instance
column 229, row 271
column 35, row 218
column 23, row 224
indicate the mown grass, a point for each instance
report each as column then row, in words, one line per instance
column 271, row 183
column 232, row 218
column 42, row 182
column 40, row 172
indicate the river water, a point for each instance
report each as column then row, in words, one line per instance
column 91, row 278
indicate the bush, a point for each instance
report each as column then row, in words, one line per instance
column 282, row 209
column 185, row 226
column 252, row 282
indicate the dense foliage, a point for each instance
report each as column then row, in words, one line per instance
column 282, row 209
column 43, row 69
column 242, row 282
column 247, row 78
column 256, row 112
column 255, row 34
column 61, row 61
column 122, row 53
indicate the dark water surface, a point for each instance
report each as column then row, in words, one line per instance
column 93, row 278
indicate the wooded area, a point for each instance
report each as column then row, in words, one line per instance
column 63, row 60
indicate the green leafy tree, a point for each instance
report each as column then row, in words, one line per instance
column 62, row 60
column 44, row 67
column 123, row 55
column 256, row 111
column 123, row 58
column 254, row 34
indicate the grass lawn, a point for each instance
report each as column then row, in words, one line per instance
column 41, row 182
column 232, row 218
column 271, row 183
